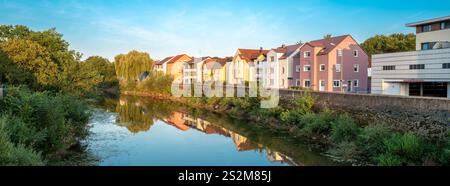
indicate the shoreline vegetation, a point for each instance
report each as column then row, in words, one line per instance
column 341, row 137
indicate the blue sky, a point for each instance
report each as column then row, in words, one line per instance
column 212, row 27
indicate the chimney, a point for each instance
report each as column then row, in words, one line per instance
column 260, row 49
column 283, row 45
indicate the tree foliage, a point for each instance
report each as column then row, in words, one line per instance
column 380, row 44
column 130, row 66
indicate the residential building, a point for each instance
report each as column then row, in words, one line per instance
column 280, row 67
column 424, row 72
column 243, row 68
column 192, row 70
column 172, row 65
column 336, row 64
column 214, row 69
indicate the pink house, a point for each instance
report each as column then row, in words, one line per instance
column 336, row 64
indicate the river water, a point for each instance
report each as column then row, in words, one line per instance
column 141, row 131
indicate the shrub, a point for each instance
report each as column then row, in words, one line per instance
column 390, row 160
column 343, row 129
column 313, row 124
column 11, row 154
column 408, row 147
column 371, row 138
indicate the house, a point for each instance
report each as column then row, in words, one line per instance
column 172, row 65
column 335, row 64
column 214, row 69
column 424, row 72
column 243, row 67
column 192, row 70
column 279, row 67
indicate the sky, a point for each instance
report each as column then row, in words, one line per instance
column 212, row 27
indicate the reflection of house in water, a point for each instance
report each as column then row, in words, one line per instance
column 185, row 121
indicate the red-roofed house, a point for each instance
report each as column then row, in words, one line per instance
column 243, row 66
column 336, row 64
column 172, row 65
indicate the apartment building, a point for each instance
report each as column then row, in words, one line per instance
column 424, row 72
column 243, row 68
column 279, row 67
column 335, row 64
column 172, row 65
column 214, row 69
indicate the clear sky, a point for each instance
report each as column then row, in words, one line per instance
column 212, row 27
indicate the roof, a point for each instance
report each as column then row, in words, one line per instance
column 211, row 61
column 287, row 50
column 170, row 59
column 328, row 44
column 197, row 58
column 418, row 23
column 251, row 54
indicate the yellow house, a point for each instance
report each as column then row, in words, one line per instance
column 244, row 65
column 214, row 69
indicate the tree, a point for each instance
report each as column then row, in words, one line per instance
column 103, row 67
column 380, row 44
column 130, row 66
column 29, row 59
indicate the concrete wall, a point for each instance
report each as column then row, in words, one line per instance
column 401, row 107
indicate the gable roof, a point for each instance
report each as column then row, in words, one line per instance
column 209, row 62
column 328, row 44
column 201, row 59
column 251, row 54
column 287, row 50
column 170, row 59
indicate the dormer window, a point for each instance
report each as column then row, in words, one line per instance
column 426, row 28
column 355, row 53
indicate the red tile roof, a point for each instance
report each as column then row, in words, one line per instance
column 170, row 59
column 251, row 54
column 328, row 44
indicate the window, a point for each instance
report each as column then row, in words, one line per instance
column 426, row 28
column 389, row 67
column 282, row 82
column 322, row 67
column 297, row 83
column 272, row 82
column 446, row 65
column 336, row 83
column 339, row 52
column 307, row 83
column 415, row 67
column 445, row 25
column 356, row 53
column 272, row 58
column 297, row 68
column 356, row 83
column 338, row 67
column 428, row 46
column 307, row 54
column 356, row 67
column 306, row 68
column 282, row 70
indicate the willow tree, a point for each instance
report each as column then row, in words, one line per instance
column 130, row 66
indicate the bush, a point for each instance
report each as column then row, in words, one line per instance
column 390, row 160
column 46, row 122
column 11, row 154
column 343, row 129
column 408, row 146
column 371, row 138
column 314, row 124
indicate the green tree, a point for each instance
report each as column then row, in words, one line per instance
column 380, row 44
column 130, row 66
column 103, row 67
column 30, row 59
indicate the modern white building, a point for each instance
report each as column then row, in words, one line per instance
column 424, row 72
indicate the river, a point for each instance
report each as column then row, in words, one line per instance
column 132, row 131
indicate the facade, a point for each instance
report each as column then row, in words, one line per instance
column 192, row 70
column 172, row 65
column 243, row 67
column 336, row 64
column 424, row 72
column 214, row 69
column 279, row 67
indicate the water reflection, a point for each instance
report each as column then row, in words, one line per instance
column 139, row 115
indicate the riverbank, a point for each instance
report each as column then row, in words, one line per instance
column 346, row 140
